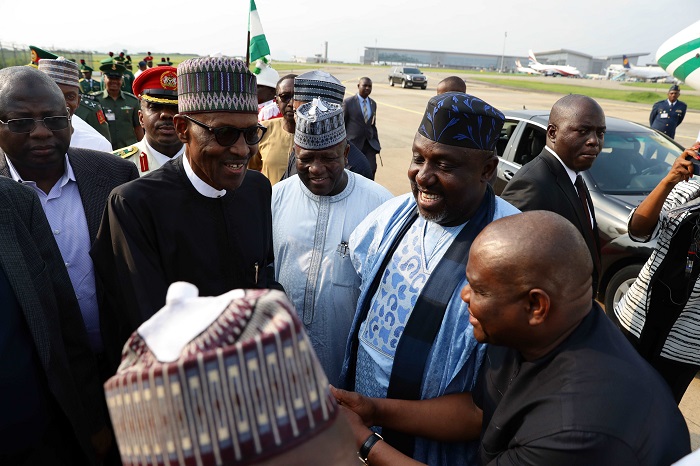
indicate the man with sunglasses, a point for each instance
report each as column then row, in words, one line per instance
column 157, row 90
column 274, row 147
column 200, row 218
column 72, row 185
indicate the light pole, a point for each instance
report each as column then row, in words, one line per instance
column 503, row 55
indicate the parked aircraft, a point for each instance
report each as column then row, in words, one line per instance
column 680, row 55
column 525, row 69
column 643, row 72
column 552, row 70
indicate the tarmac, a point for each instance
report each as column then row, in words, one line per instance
column 400, row 111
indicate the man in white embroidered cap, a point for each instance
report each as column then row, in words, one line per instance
column 226, row 380
column 201, row 217
column 313, row 214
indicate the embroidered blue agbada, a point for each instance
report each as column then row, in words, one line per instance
column 455, row 357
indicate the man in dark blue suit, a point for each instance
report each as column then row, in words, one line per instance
column 360, row 113
column 667, row 114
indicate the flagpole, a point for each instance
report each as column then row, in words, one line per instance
column 247, row 48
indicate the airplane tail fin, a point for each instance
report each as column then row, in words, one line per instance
column 517, row 63
column 625, row 62
column 531, row 56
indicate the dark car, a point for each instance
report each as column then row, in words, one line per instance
column 633, row 161
column 408, row 77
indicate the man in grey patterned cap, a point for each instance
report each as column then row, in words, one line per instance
column 317, row 83
column 313, row 214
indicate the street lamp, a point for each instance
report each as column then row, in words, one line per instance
column 503, row 55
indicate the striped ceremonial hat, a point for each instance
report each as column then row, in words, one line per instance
column 318, row 83
column 320, row 125
column 62, row 71
column 231, row 379
column 216, row 84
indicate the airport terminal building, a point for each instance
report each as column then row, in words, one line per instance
column 586, row 64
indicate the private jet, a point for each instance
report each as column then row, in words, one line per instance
column 680, row 55
column 552, row 70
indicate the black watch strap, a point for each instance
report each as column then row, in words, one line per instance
column 367, row 446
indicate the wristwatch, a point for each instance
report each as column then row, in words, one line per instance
column 363, row 454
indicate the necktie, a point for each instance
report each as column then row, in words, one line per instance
column 582, row 191
column 365, row 110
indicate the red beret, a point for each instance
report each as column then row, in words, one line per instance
column 157, row 85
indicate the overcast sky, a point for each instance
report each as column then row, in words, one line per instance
column 300, row 27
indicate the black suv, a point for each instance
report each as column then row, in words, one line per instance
column 408, row 77
column 633, row 161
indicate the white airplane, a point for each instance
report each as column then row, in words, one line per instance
column 643, row 72
column 525, row 69
column 680, row 55
column 552, row 70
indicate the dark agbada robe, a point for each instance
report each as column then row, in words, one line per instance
column 159, row 229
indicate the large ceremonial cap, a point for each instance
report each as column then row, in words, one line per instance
column 39, row 54
column 459, row 119
column 317, row 83
column 112, row 68
column 62, row 71
column 320, row 124
column 231, row 379
column 216, row 84
column 157, row 85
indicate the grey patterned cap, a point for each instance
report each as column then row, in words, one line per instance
column 62, row 71
column 318, row 83
column 320, row 124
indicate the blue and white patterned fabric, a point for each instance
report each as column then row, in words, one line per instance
column 66, row 215
column 455, row 358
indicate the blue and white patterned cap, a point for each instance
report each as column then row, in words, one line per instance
column 317, row 83
column 320, row 124
column 62, row 71
column 459, row 119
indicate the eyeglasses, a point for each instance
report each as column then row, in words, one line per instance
column 27, row 125
column 227, row 136
column 285, row 97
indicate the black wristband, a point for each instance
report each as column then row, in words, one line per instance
column 367, row 446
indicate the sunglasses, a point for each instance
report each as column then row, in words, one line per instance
column 27, row 125
column 285, row 97
column 227, row 136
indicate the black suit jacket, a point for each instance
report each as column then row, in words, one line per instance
column 30, row 258
column 543, row 184
column 357, row 129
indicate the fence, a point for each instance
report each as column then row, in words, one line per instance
column 12, row 54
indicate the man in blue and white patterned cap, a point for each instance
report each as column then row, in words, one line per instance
column 411, row 356
column 313, row 214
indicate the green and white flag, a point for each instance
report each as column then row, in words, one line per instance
column 258, row 43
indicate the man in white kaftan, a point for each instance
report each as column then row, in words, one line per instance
column 313, row 215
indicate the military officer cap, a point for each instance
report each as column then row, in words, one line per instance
column 157, row 85
column 38, row 54
column 674, row 87
column 84, row 68
column 121, row 58
column 112, row 69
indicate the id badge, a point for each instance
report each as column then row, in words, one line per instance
column 110, row 116
column 664, row 115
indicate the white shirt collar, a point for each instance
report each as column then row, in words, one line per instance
column 572, row 174
column 160, row 157
column 200, row 185
column 68, row 172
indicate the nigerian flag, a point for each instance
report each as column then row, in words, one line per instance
column 258, row 43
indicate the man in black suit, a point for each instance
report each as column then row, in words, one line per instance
column 50, row 395
column 552, row 181
column 360, row 113
column 72, row 184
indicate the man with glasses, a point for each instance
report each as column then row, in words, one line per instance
column 157, row 90
column 274, row 147
column 200, row 218
column 72, row 184
column 313, row 214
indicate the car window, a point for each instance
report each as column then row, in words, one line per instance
column 531, row 143
column 506, row 133
column 411, row 70
column 633, row 162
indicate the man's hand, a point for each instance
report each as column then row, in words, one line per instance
column 363, row 406
column 682, row 168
